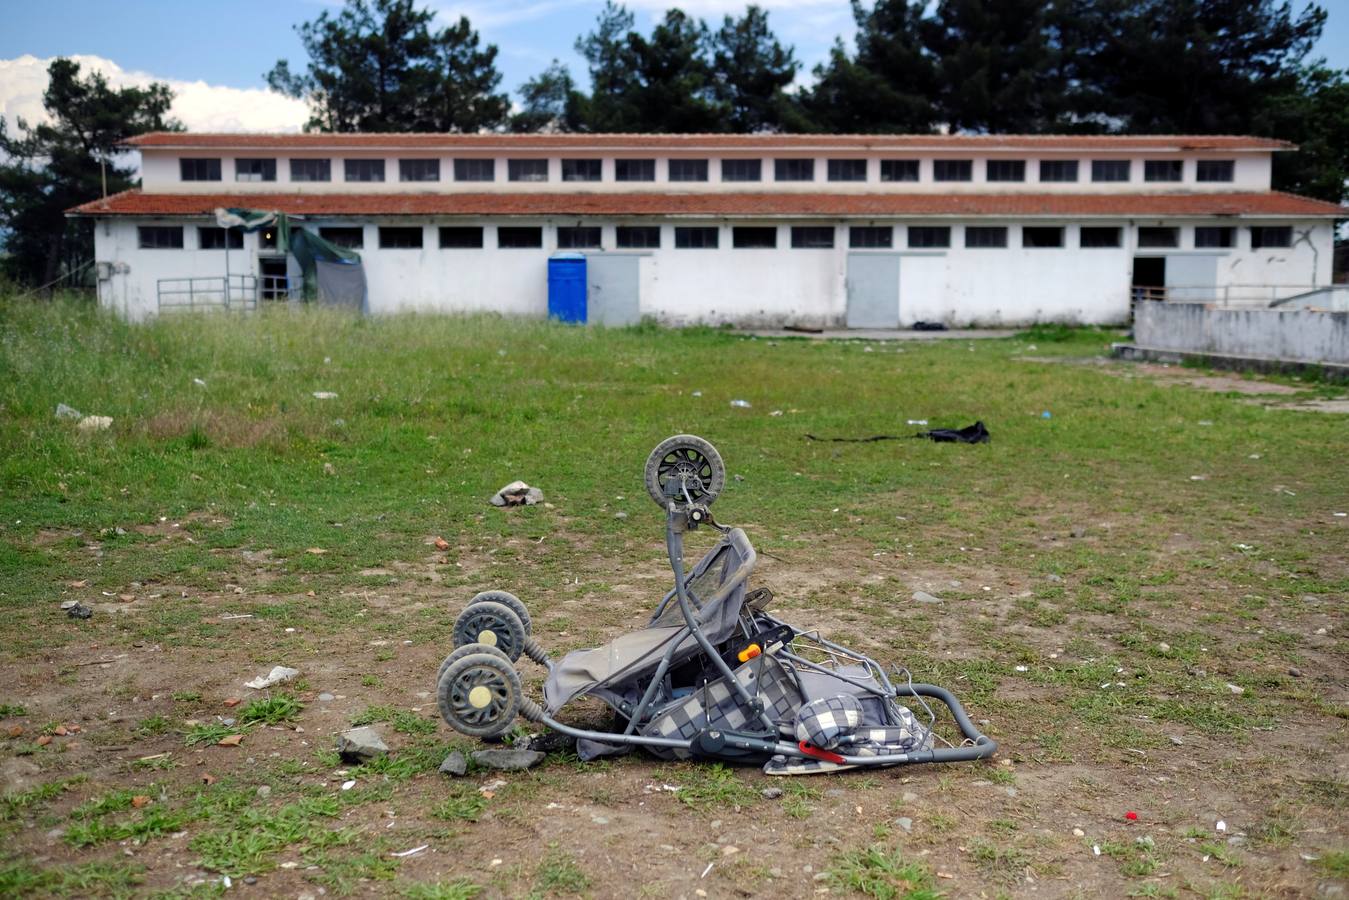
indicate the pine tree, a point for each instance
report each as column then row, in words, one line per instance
column 752, row 72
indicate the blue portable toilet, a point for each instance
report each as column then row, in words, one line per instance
column 567, row 287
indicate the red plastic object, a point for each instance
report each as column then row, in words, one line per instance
column 812, row 750
column 1131, row 816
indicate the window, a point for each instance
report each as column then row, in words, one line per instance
column 350, row 236
column 1058, row 170
column 216, row 238
column 267, row 239
column 812, row 237
column 952, row 170
column 751, row 238
column 460, row 237
column 634, row 170
column 847, row 170
column 474, row 170
column 639, row 237
column 579, row 237
column 688, row 170
column 192, row 169
column 793, row 170
column 1163, row 169
column 1215, row 170
column 515, row 236
column 311, row 170
column 527, row 169
column 871, row 236
column 1100, row 236
column 160, row 237
column 1159, row 237
column 1006, row 170
column 363, row 169
column 929, row 236
column 419, row 169
column 1271, row 236
column 985, row 236
column 1109, row 170
column 899, row 170
column 1041, row 236
column 741, row 169
column 1214, row 236
column 580, row 170
column 701, row 238
column 255, row 170
column 400, row 238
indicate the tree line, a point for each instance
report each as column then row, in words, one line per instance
column 976, row 66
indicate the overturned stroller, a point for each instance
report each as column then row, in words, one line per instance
column 713, row 676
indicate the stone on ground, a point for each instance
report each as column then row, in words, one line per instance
column 361, row 745
column 508, row 760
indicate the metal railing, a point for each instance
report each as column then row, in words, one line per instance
column 212, row 292
column 1234, row 296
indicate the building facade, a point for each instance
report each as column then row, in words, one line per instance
column 832, row 231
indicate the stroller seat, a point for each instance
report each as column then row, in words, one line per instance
column 717, row 588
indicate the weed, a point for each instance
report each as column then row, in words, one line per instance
column 883, row 874
column 403, row 721
column 11, row 711
column 558, row 873
column 1335, row 864
column 208, row 733
column 187, row 696
column 461, row 889
column 1003, row 864
column 271, row 710
column 466, row 806
column 12, row 804
column 713, row 787
column 19, row 879
column 153, row 726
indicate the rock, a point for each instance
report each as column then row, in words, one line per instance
column 1078, row 832
column 264, row 791
column 772, row 793
column 1236, row 689
column 1164, row 647
column 1056, row 579
column 95, row 423
column 1175, row 739
column 79, row 611
column 909, row 797
column 925, row 597
column 508, row 760
column 325, row 697
column 905, row 822
column 68, row 412
column 620, row 515
column 517, row 493
column 1078, row 533
column 361, row 745
column 69, row 603
column 454, row 765
column 1295, row 672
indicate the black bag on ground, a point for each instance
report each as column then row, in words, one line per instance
column 970, row 434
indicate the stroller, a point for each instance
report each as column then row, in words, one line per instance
column 713, row 676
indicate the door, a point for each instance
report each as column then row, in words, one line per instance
column 873, row 290
column 613, row 289
column 1149, row 279
column 272, row 281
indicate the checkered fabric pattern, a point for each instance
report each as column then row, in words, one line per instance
column 907, row 736
column 823, row 722
column 716, row 706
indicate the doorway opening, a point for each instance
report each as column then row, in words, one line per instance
column 1149, row 278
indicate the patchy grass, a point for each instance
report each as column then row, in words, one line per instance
column 1127, row 586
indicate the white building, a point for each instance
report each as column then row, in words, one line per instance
column 862, row 231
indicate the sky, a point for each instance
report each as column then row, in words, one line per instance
column 214, row 54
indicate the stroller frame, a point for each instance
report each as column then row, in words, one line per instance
column 489, row 643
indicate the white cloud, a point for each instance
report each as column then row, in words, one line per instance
column 198, row 105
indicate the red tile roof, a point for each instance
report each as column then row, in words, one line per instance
column 688, row 142
column 724, row 204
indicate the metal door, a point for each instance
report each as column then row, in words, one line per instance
column 613, row 289
column 873, row 290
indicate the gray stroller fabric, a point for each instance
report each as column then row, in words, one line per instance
column 716, row 706
column 717, row 590
column 839, row 722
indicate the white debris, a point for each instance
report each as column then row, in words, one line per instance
column 1236, row 689
column 348, row 785
column 740, row 404
column 324, row 395
column 1221, row 826
column 68, row 412
column 198, row 382
column 412, row 852
column 95, row 423
column 274, row 677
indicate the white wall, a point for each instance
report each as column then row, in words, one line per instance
column 960, row 286
column 160, row 173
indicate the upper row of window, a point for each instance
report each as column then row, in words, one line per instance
column 996, row 170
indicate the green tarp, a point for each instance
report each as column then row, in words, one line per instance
column 308, row 248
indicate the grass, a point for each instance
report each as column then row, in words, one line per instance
column 206, row 500
column 883, row 874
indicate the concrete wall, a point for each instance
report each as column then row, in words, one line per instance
column 1298, row 335
column 959, row 286
column 160, row 173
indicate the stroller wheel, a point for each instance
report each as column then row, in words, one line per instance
column 491, row 623
column 479, row 694
column 466, row 650
column 506, row 598
column 692, row 457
